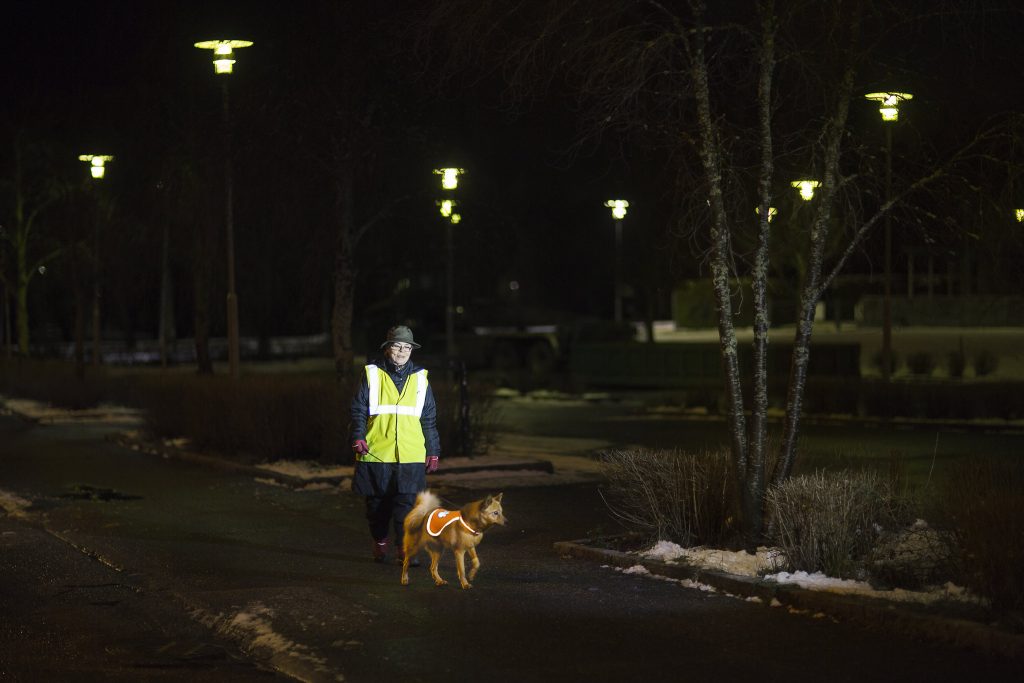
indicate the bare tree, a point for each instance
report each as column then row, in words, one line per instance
column 346, row 109
column 34, row 188
column 729, row 92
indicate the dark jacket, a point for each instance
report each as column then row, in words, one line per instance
column 374, row 478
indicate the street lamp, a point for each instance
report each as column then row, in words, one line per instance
column 449, row 177
column 771, row 212
column 806, row 188
column 1019, row 213
column 97, row 164
column 890, row 110
column 618, row 207
column 223, row 63
column 97, row 169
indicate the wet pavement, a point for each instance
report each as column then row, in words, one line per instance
column 132, row 566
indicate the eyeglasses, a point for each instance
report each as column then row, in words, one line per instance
column 401, row 347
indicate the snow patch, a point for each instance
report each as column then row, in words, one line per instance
column 820, row 582
column 740, row 563
column 306, row 469
column 13, row 504
column 253, row 629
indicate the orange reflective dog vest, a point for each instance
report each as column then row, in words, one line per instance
column 439, row 519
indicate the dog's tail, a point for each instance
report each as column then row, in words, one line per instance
column 426, row 502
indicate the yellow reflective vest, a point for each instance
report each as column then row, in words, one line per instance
column 393, row 430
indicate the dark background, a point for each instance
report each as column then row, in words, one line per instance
column 123, row 78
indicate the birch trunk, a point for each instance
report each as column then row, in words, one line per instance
column 344, row 275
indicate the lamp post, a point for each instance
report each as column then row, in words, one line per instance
column 97, row 169
column 223, row 64
column 889, row 103
column 449, row 183
column 618, row 207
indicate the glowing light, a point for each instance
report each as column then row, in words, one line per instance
column 618, row 207
column 97, row 163
column 1020, row 215
column 223, row 53
column 447, row 205
column 890, row 103
column 449, row 177
column 806, row 188
column 456, row 218
column 771, row 212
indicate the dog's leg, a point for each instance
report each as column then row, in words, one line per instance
column 411, row 545
column 474, row 563
column 435, row 557
column 460, row 565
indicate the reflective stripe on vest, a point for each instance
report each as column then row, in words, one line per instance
column 373, row 376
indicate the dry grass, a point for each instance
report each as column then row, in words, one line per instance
column 831, row 521
column 688, row 498
column 981, row 503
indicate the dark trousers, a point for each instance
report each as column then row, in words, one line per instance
column 390, row 508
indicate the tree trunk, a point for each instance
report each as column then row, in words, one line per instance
column 756, row 460
column 201, row 280
column 811, row 290
column 22, row 277
column 79, row 297
column 21, row 315
column 720, row 273
column 344, row 275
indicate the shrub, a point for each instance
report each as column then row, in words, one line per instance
column 894, row 361
column 957, row 363
column 985, row 363
column 912, row 558
column 981, row 503
column 254, row 418
column 920, row 363
column 57, row 383
column 259, row 417
column 482, row 418
column 830, row 521
column 688, row 498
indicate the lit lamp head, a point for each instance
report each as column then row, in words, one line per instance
column 449, row 177
column 771, row 212
column 889, row 103
column 806, row 188
column 1019, row 213
column 618, row 207
column 97, row 163
column 223, row 53
column 447, row 205
column 456, row 218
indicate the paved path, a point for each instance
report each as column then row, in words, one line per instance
column 129, row 566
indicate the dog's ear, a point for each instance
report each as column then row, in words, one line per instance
column 487, row 501
column 498, row 497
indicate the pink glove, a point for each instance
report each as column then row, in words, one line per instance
column 431, row 463
column 360, row 447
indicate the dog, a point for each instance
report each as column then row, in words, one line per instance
column 431, row 527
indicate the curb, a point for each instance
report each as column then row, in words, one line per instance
column 157, row 448
column 876, row 613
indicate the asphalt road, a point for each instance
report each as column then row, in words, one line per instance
column 132, row 567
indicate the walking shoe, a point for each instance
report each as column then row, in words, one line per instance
column 380, row 550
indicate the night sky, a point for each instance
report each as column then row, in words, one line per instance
column 123, row 78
